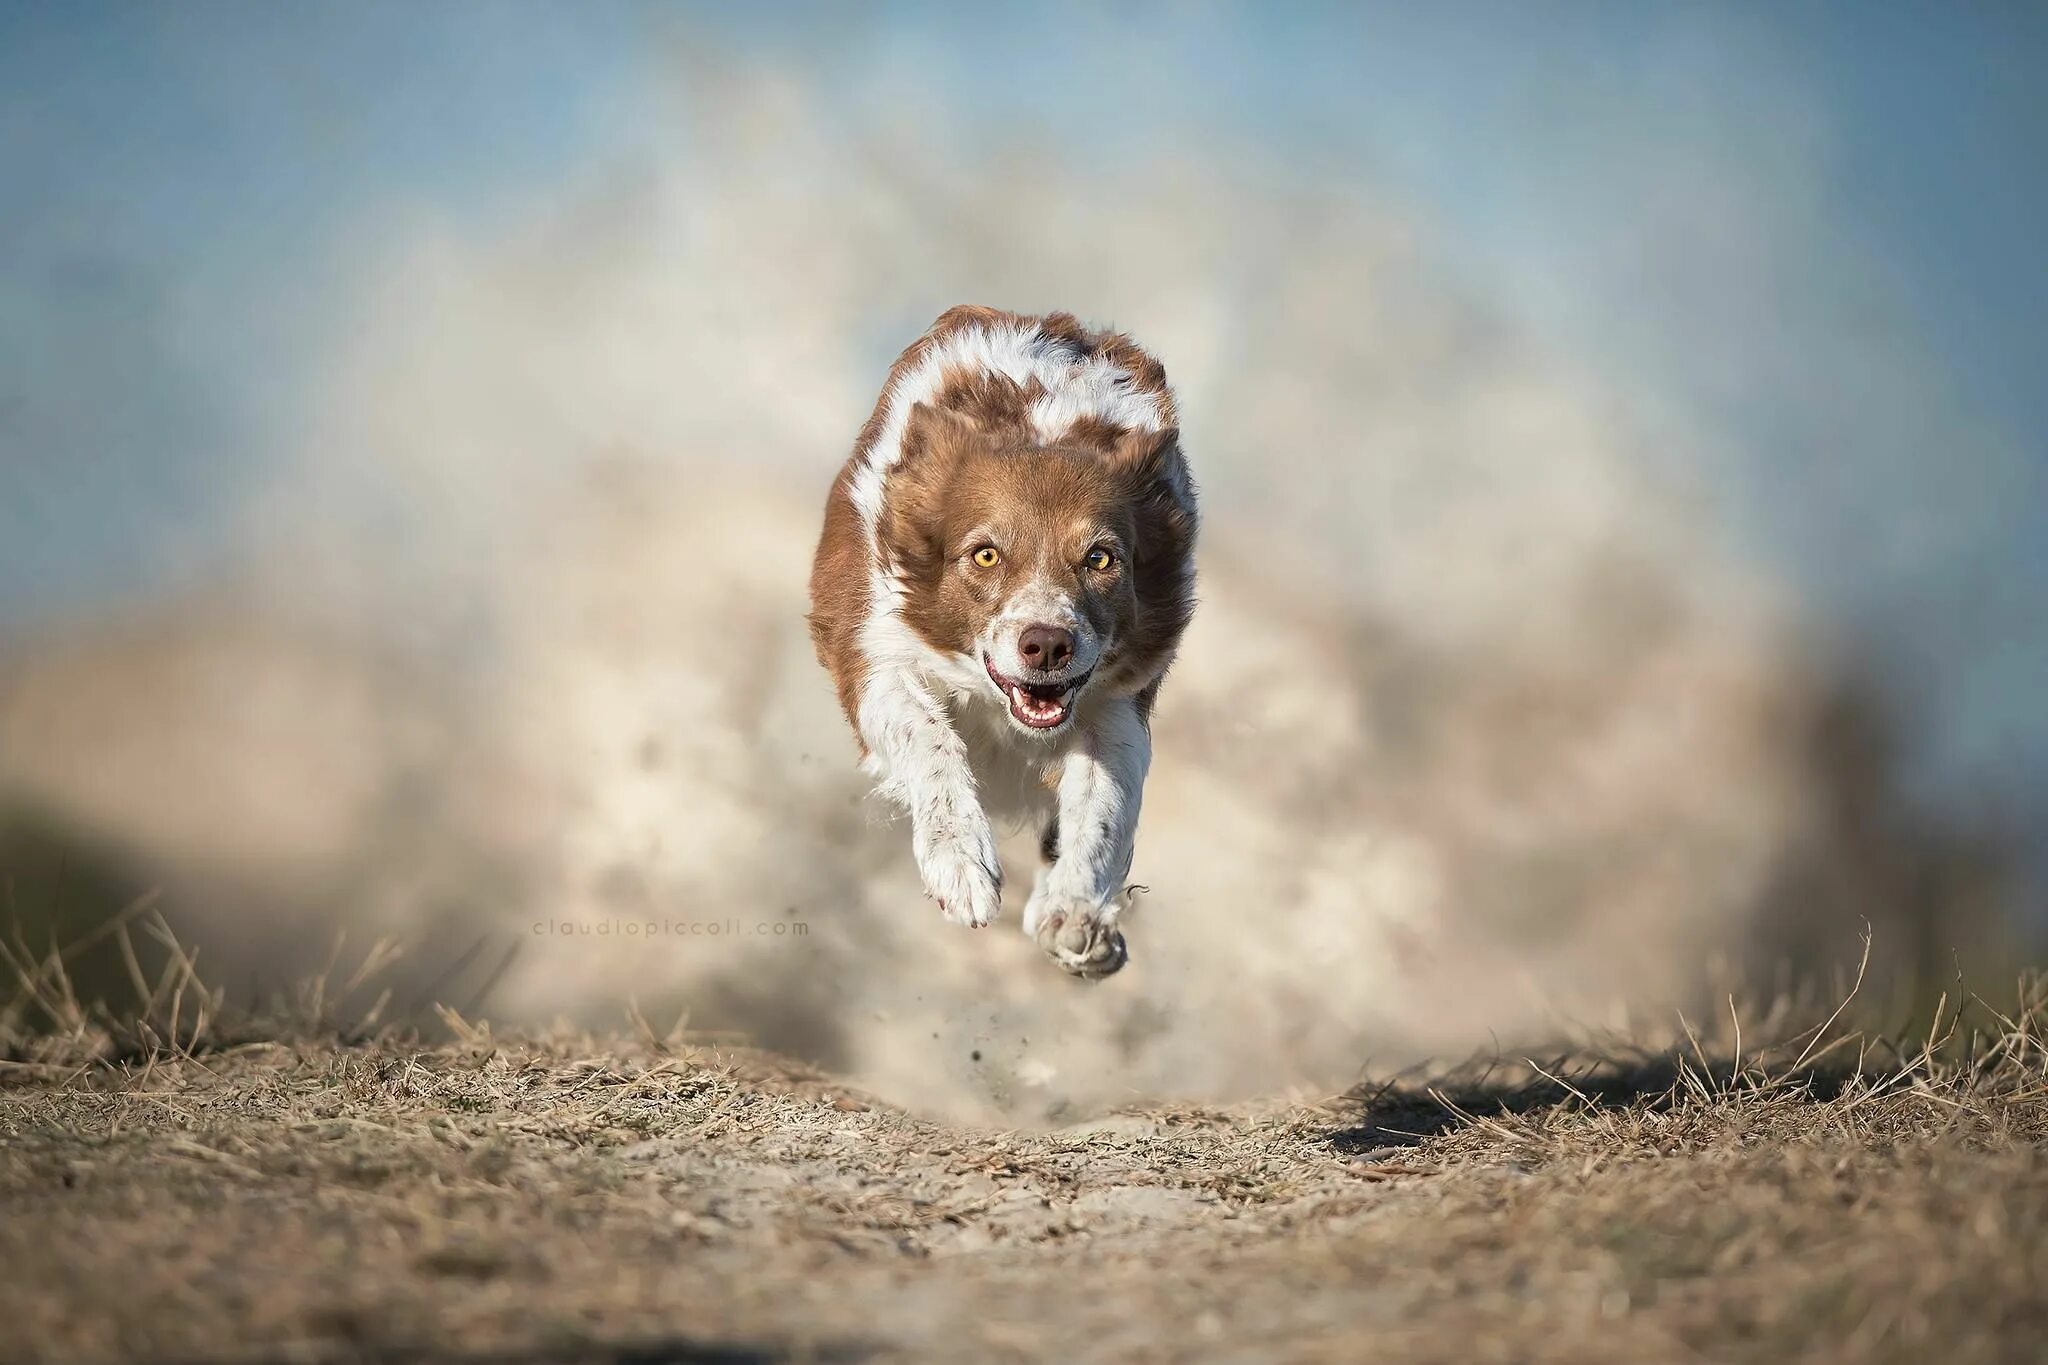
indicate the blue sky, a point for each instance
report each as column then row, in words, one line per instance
column 190, row 186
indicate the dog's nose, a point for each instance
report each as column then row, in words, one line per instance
column 1047, row 648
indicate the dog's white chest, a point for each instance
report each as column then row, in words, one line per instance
column 1009, row 768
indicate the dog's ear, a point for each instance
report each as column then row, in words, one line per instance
column 934, row 441
column 934, row 436
column 1146, row 452
column 1163, row 495
column 1152, row 461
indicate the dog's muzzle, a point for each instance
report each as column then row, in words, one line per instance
column 1038, row 705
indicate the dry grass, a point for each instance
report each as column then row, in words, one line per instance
column 175, row 1188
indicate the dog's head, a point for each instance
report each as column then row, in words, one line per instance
column 1054, row 571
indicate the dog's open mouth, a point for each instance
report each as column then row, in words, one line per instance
column 1042, row 706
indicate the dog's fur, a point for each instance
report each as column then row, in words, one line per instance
column 1005, row 572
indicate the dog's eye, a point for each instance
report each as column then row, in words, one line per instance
column 988, row 556
column 1100, row 560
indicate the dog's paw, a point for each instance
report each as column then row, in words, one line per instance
column 1081, row 937
column 961, row 872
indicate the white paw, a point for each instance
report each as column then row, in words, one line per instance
column 1077, row 934
column 961, row 872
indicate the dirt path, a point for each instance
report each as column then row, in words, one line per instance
column 534, row 1202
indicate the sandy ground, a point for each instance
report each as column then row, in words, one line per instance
column 584, row 1200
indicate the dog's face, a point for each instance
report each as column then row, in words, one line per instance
column 1035, row 566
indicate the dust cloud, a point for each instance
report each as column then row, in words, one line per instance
column 1479, row 727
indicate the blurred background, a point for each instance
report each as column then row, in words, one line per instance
column 1622, row 431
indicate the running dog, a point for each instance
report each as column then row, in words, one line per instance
column 1006, row 570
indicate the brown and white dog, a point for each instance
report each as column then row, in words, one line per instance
column 1005, row 572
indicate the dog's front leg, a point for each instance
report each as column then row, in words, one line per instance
column 922, row 765
column 1072, row 912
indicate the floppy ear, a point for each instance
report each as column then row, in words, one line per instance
column 914, row 489
column 1152, row 460
column 1163, row 496
column 1146, row 454
column 933, row 436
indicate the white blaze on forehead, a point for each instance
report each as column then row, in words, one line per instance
column 1076, row 384
column 1040, row 601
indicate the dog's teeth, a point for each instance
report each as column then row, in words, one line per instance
column 1035, row 707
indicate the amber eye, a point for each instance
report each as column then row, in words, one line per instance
column 1100, row 560
column 988, row 556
